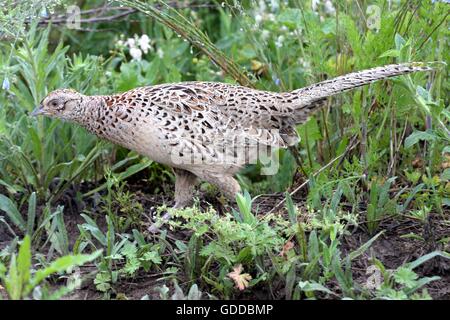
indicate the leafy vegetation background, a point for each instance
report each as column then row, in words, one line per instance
column 363, row 215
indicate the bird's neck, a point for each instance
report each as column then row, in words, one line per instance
column 100, row 116
column 92, row 113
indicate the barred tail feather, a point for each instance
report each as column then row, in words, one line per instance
column 310, row 99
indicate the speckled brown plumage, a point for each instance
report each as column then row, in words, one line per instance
column 204, row 130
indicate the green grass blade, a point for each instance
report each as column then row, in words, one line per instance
column 10, row 208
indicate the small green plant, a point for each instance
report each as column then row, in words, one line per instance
column 10, row 208
column 120, row 205
column 421, row 214
column 128, row 260
column 379, row 204
column 403, row 283
column 139, row 256
column 244, row 202
column 235, row 238
column 193, row 294
column 24, row 146
column 122, row 259
column 19, row 279
column 52, row 222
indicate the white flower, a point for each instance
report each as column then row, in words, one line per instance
column 5, row 84
column 265, row 34
column 136, row 53
column 262, row 6
column 144, row 43
column 279, row 42
column 120, row 44
column 44, row 13
column 258, row 18
column 160, row 53
column 329, row 8
column 305, row 63
column 131, row 43
column 284, row 28
column 275, row 5
column 314, row 4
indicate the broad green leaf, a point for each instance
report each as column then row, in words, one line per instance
column 423, row 93
column 420, row 283
column 354, row 254
column 445, row 175
column 31, row 213
column 24, row 260
column 291, row 209
column 399, row 41
column 94, row 229
column 427, row 257
column 12, row 281
column 290, row 17
column 60, row 265
column 314, row 286
column 417, row 136
column 390, row 53
column 10, row 208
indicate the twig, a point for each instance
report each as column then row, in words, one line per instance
column 432, row 31
column 90, row 20
column 60, row 19
column 351, row 147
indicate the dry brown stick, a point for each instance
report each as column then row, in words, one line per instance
column 59, row 19
column 96, row 19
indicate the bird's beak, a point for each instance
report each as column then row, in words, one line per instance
column 38, row 111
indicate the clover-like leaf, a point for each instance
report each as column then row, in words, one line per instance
column 405, row 276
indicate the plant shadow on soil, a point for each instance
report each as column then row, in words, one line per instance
column 391, row 248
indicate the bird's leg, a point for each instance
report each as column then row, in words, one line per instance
column 185, row 183
column 229, row 187
column 226, row 184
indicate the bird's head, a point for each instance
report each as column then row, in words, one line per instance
column 61, row 103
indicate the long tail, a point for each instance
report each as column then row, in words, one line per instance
column 312, row 98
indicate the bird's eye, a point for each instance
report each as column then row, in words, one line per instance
column 54, row 104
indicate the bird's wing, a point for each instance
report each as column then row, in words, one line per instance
column 215, row 114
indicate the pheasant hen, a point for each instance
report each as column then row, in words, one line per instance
column 204, row 130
